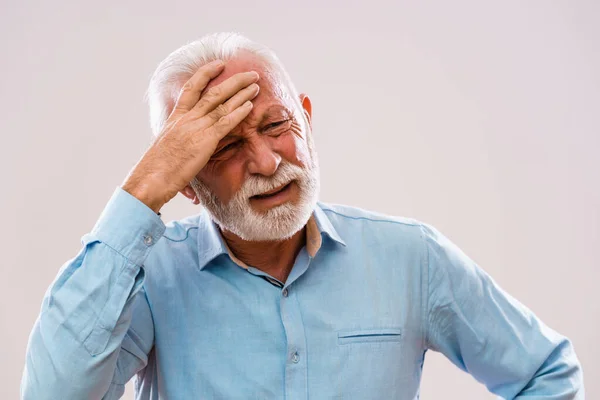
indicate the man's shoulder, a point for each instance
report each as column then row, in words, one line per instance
column 380, row 225
column 347, row 212
column 177, row 249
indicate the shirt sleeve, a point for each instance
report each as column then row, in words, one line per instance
column 95, row 330
column 489, row 334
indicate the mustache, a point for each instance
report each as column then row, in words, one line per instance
column 258, row 184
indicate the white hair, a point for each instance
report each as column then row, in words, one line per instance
column 181, row 64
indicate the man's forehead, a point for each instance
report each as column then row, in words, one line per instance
column 272, row 89
column 244, row 62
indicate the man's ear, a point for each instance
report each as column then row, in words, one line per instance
column 190, row 194
column 306, row 107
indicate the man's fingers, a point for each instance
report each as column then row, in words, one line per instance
column 238, row 99
column 226, row 123
column 191, row 90
column 218, row 94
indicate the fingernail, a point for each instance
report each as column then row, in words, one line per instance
column 248, row 103
column 217, row 63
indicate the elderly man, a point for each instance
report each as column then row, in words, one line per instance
column 268, row 293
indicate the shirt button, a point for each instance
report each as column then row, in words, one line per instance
column 148, row 240
column 285, row 292
column 295, row 357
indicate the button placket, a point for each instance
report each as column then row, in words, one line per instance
column 296, row 373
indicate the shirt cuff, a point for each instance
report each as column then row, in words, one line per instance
column 128, row 226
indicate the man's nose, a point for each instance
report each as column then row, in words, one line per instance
column 263, row 160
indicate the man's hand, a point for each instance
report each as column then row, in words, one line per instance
column 191, row 134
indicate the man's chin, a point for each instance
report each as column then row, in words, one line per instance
column 276, row 224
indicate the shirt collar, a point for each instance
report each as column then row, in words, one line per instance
column 325, row 226
column 211, row 243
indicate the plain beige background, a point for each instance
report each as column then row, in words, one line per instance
column 480, row 119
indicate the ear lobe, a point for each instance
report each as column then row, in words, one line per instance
column 190, row 194
column 307, row 107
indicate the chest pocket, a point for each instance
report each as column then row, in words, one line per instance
column 372, row 360
column 373, row 335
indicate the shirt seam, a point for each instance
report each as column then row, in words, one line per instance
column 425, row 267
column 99, row 320
column 187, row 235
column 369, row 219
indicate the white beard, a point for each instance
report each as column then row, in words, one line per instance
column 276, row 224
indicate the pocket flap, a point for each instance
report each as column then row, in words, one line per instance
column 369, row 335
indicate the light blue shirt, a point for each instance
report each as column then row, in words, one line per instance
column 169, row 306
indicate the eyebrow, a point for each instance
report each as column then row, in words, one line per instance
column 274, row 109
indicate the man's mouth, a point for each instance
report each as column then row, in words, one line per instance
column 271, row 193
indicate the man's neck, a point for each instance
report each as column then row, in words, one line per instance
column 275, row 258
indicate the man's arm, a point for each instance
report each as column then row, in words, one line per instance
column 84, row 344
column 74, row 349
column 489, row 334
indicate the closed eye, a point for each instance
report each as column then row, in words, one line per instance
column 224, row 149
column 274, row 125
